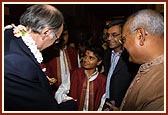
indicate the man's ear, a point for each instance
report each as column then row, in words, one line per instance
column 45, row 32
column 142, row 33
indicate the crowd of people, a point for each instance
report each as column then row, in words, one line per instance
column 43, row 72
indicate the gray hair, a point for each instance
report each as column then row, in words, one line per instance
column 39, row 16
column 149, row 19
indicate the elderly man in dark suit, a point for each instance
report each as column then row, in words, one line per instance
column 26, row 87
column 118, row 69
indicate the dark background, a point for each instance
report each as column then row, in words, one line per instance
column 83, row 19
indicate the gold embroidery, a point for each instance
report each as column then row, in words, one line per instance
column 83, row 94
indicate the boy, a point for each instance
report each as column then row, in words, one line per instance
column 87, row 84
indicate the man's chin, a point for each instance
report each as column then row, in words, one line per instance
column 85, row 67
column 112, row 46
column 133, row 60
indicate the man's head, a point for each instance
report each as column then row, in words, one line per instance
column 143, row 34
column 104, row 36
column 64, row 36
column 45, row 21
column 114, row 34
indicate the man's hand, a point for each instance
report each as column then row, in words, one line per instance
column 114, row 108
column 69, row 99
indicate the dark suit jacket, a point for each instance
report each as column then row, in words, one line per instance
column 25, row 85
column 122, row 76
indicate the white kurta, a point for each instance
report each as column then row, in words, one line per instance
column 63, row 90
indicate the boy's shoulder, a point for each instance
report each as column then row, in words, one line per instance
column 101, row 76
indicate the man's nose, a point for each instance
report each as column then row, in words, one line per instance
column 110, row 37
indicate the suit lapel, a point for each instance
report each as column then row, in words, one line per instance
column 121, row 62
column 107, row 59
column 26, row 50
column 119, row 65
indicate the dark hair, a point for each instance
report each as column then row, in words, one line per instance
column 115, row 22
column 65, row 27
column 97, row 50
column 39, row 16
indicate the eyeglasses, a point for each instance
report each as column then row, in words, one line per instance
column 56, row 36
column 57, row 39
column 123, row 38
column 114, row 35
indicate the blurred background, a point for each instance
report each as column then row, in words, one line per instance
column 83, row 20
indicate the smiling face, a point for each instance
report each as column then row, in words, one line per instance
column 90, row 61
column 132, row 44
column 113, row 37
column 47, row 38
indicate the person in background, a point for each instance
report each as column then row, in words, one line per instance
column 61, row 66
column 26, row 87
column 118, row 69
column 103, row 39
column 87, row 84
column 104, row 36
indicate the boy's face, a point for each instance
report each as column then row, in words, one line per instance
column 90, row 61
